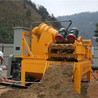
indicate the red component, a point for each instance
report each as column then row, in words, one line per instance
column 92, row 62
column 46, row 45
column 71, row 38
column 59, row 38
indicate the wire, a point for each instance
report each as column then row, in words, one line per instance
column 15, row 82
column 7, row 86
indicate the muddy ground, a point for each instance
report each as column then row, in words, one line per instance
column 56, row 83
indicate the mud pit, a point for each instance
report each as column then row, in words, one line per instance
column 56, row 83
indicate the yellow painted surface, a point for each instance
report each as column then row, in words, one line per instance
column 35, row 64
column 35, row 67
column 46, row 36
column 81, row 68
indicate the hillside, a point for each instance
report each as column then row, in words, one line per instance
column 85, row 22
column 20, row 13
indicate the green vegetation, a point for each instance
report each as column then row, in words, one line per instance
column 20, row 13
column 5, row 34
column 85, row 22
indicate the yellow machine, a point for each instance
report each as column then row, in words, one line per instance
column 43, row 49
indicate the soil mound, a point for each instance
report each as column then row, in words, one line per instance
column 56, row 83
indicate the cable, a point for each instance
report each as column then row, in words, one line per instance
column 7, row 86
column 15, row 82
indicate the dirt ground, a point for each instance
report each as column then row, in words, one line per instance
column 4, row 88
column 56, row 83
column 93, row 86
column 93, row 91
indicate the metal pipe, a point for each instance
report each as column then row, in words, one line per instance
column 55, row 22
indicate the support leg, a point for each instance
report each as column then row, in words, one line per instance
column 22, row 76
column 77, row 82
column 89, row 76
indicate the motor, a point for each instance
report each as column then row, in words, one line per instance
column 69, row 36
column 73, row 34
column 61, row 36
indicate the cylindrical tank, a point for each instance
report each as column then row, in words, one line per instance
column 44, row 28
column 41, row 37
column 38, row 30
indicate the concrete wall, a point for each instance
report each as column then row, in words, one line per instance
column 7, row 50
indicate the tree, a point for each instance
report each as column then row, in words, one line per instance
column 5, row 35
column 28, row 13
column 43, row 11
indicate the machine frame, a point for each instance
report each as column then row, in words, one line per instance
column 36, row 61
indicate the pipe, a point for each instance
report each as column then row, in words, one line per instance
column 55, row 22
column 44, row 28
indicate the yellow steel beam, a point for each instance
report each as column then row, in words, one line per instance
column 27, row 47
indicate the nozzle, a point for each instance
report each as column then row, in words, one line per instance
column 59, row 38
column 71, row 38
